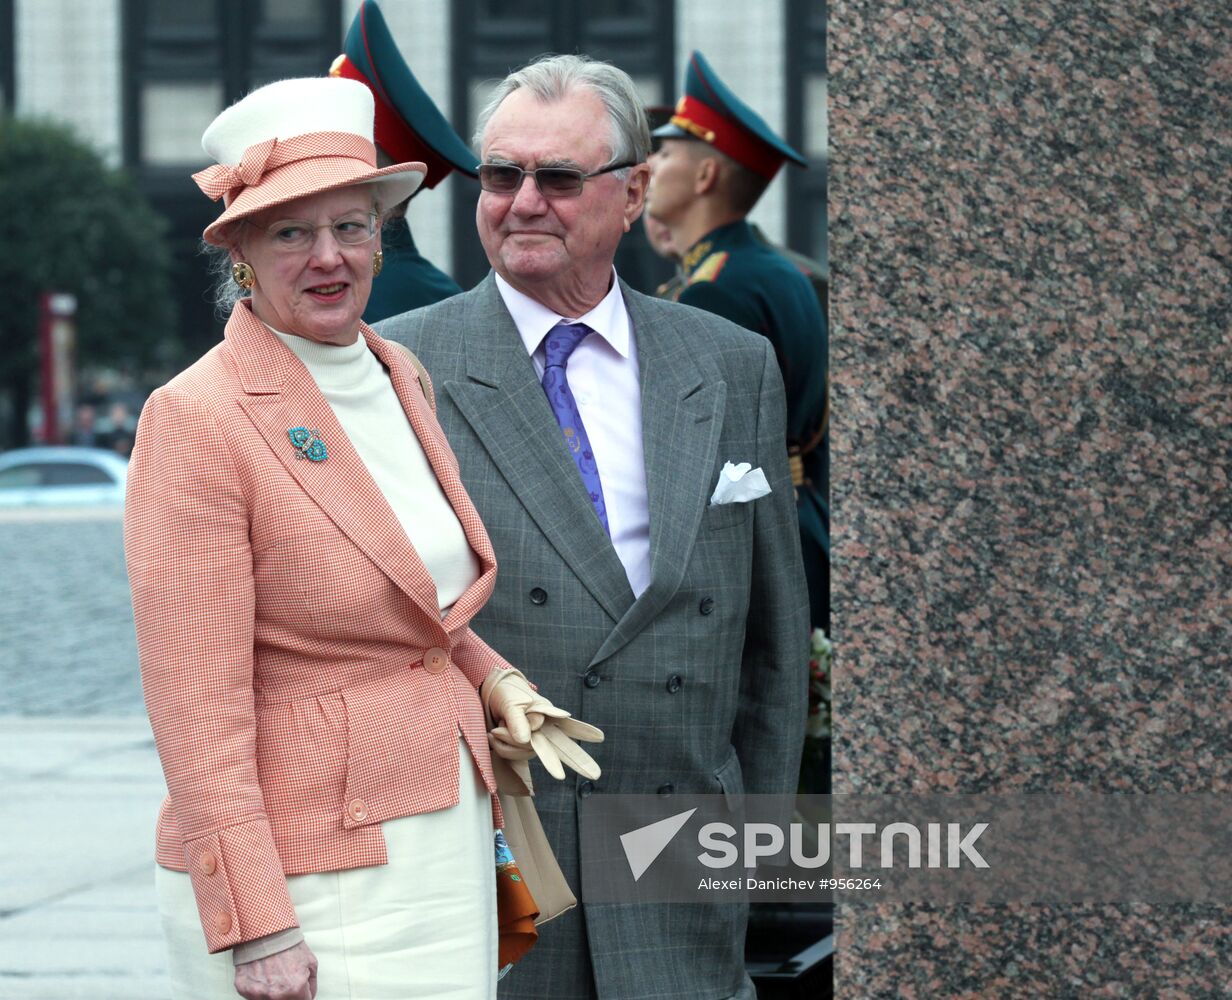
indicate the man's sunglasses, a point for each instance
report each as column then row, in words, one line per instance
column 552, row 182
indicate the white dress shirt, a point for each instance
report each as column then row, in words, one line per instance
column 603, row 377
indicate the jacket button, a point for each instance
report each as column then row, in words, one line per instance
column 706, row 606
column 592, row 679
column 357, row 810
column 435, row 660
column 674, row 683
column 586, row 789
column 209, row 863
column 222, row 923
column 538, row 596
column 666, row 789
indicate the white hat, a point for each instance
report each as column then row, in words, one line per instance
column 295, row 138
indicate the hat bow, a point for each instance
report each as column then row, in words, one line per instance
column 224, row 180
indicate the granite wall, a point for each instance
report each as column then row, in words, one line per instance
column 1031, row 252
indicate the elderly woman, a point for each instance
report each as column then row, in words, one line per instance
column 304, row 565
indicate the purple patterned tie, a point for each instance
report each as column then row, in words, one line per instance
column 560, row 343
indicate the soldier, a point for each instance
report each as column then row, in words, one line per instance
column 408, row 127
column 715, row 159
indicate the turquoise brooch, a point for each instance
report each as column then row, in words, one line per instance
column 308, row 444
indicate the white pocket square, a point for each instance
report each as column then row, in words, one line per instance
column 739, row 484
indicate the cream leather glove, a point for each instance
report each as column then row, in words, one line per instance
column 531, row 726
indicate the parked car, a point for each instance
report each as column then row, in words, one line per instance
column 60, row 476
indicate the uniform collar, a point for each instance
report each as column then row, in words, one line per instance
column 725, row 236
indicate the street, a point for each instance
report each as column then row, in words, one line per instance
column 78, row 917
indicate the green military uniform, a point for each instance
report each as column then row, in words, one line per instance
column 730, row 272
column 408, row 280
column 407, row 126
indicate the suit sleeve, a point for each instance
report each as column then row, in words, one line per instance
column 190, row 568
column 770, row 722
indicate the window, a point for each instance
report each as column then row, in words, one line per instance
column 74, row 474
column 7, row 69
column 185, row 62
column 20, row 477
column 53, row 474
column 807, row 126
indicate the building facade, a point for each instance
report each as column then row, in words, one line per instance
column 140, row 80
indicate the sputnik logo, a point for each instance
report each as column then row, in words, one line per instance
column 646, row 843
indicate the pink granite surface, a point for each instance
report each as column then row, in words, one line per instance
column 1031, row 252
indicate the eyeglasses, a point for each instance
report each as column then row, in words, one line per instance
column 353, row 229
column 552, row 182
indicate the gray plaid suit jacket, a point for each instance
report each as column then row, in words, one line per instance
column 726, row 612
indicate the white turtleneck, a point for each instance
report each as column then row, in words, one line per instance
column 359, row 390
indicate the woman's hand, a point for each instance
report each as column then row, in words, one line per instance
column 285, row 975
column 531, row 726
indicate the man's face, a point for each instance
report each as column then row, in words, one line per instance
column 673, row 176
column 550, row 248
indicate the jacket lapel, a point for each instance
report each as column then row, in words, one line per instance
column 280, row 394
column 682, row 418
column 505, row 406
column 426, row 428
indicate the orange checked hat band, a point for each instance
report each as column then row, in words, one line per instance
column 229, row 181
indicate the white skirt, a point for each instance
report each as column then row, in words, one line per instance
column 423, row 925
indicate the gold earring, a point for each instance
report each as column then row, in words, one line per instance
column 378, row 262
column 243, row 274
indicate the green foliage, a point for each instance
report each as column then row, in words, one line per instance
column 70, row 223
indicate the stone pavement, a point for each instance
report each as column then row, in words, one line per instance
column 78, row 916
column 67, row 645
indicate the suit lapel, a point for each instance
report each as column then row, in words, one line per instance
column 682, row 417
column 280, row 394
column 505, row 406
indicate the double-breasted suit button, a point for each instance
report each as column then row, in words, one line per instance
column 435, row 660
column 586, row 789
column 674, row 683
column 357, row 809
column 538, row 596
column 667, row 789
column 706, row 606
column 222, row 923
column 592, row 679
column 209, row 863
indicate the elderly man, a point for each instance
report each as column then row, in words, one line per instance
column 591, row 424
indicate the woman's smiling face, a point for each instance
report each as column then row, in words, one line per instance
column 320, row 292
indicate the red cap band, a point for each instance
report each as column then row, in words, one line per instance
column 391, row 132
column 726, row 136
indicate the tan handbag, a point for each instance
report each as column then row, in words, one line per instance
column 530, row 848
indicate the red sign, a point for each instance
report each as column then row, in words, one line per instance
column 57, row 339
